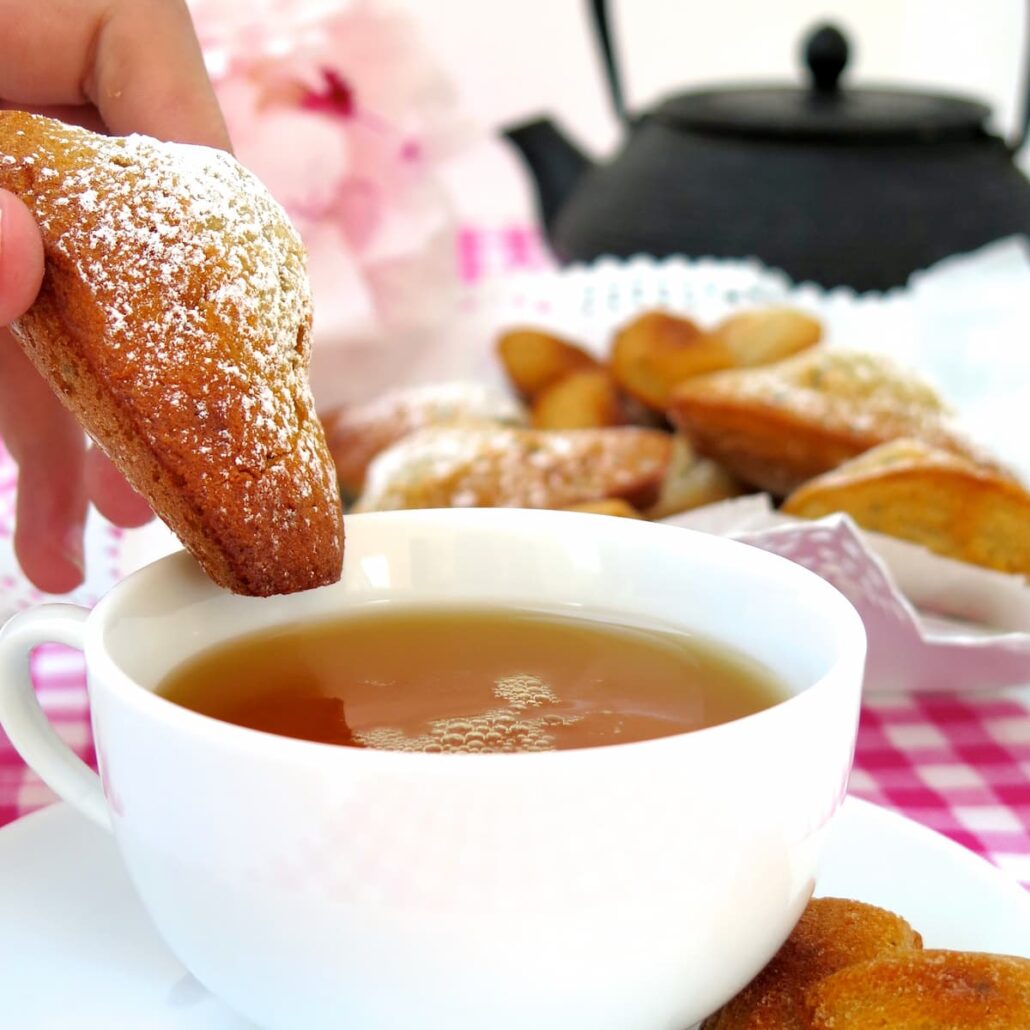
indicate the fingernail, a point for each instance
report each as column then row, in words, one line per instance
column 72, row 548
column 1, row 228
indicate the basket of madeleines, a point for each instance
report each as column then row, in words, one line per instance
column 676, row 415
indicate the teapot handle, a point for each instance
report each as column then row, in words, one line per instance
column 603, row 31
column 1024, row 128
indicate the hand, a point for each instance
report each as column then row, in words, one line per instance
column 116, row 65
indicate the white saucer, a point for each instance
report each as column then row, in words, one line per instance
column 76, row 948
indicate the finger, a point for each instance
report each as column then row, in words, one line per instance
column 138, row 61
column 50, row 520
column 21, row 258
column 148, row 75
column 47, row 444
column 32, row 420
column 111, row 494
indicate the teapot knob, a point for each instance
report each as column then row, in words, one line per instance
column 826, row 54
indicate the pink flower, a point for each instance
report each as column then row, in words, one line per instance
column 343, row 113
column 336, row 99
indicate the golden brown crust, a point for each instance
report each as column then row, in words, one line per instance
column 656, row 351
column 778, row 425
column 763, row 335
column 581, row 400
column 931, row 497
column 609, row 506
column 497, row 467
column 832, row 934
column 174, row 322
column 535, row 360
column 925, row 990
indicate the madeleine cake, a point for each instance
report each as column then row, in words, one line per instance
column 775, row 426
column 174, row 321
column 501, row 467
column 930, row 496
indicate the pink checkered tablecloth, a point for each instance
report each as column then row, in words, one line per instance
column 957, row 764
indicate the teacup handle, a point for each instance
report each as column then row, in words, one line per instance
column 24, row 721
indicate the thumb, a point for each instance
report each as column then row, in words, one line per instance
column 21, row 258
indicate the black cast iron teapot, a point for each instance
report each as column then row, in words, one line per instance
column 839, row 186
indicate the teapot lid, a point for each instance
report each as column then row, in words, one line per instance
column 825, row 111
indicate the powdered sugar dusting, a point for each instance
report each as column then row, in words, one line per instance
column 495, row 466
column 200, row 287
column 903, row 454
column 866, row 396
column 854, row 389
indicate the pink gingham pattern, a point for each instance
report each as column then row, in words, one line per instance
column 514, row 248
column 60, row 681
column 958, row 764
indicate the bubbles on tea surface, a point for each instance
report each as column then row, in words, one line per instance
column 524, row 691
column 491, row 731
column 503, row 730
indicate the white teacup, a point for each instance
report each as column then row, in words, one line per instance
column 628, row 887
